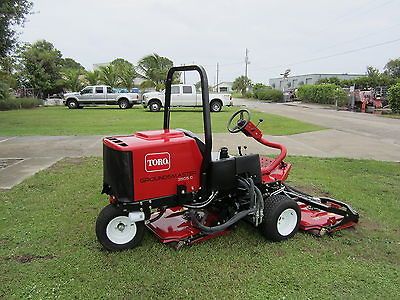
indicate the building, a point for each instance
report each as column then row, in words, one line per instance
column 223, row 87
column 293, row 82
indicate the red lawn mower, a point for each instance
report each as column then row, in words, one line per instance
column 170, row 182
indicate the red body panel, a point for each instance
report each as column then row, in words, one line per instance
column 280, row 173
column 174, row 226
column 162, row 160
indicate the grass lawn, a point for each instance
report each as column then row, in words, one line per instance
column 391, row 116
column 104, row 120
column 49, row 249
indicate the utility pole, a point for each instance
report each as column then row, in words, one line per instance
column 217, row 77
column 184, row 76
column 246, row 60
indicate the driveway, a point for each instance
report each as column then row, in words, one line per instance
column 352, row 135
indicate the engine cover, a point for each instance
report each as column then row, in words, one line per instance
column 160, row 161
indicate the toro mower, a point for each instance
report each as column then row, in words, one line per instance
column 170, row 182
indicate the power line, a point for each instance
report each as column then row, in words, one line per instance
column 356, row 39
column 330, row 56
column 353, row 12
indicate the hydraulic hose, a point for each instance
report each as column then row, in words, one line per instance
column 230, row 222
column 256, row 206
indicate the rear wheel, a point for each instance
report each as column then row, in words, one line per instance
column 154, row 105
column 115, row 231
column 281, row 218
column 215, row 105
column 123, row 103
column 72, row 104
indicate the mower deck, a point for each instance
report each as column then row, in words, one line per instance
column 174, row 226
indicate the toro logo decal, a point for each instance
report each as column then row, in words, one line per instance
column 155, row 162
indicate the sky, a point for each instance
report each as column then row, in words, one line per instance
column 309, row 36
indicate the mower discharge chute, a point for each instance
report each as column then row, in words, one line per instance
column 171, row 183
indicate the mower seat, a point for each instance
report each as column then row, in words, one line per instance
column 199, row 142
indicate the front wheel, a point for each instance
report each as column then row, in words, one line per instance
column 154, row 106
column 281, row 218
column 115, row 231
column 72, row 104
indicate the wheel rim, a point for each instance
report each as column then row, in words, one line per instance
column 124, row 104
column 121, row 230
column 154, row 106
column 287, row 222
column 72, row 104
column 216, row 107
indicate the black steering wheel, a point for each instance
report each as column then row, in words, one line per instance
column 234, row 125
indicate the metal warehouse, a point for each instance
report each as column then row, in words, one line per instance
column 292, row 82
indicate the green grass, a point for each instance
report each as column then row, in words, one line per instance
column 49, row 249
column 391, row 116
column 101, row 121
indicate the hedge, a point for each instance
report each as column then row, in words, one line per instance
column 18, row 103
column 394, row 98
column 323, row 94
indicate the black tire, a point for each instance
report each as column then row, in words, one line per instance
column 276, row 208
column 215, row 105
column 154, row 105
column 72, row 104
column 123, row 103
column 109, row 214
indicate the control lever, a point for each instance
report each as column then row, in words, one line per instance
column 240, row 150
column 259, row 122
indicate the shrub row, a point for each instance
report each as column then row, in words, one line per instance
column 266, row 93
column 323, row 94
column 18, row 103
column 394, row 98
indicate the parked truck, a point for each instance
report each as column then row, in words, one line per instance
column 100, row 95
column 185, row 96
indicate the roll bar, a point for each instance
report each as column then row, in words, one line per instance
column 206, row 112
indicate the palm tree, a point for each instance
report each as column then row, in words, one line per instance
column 109, row 75
column 241, row 84
column 154, row 69
column 71, row 79
column 125, row 71
column 92, row 77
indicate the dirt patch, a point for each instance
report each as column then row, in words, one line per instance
column 310, row 189
column 27, row 258
column 66, row 161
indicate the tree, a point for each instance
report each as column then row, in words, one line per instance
column 392, row 68
column 40, row 67
column 154, row 68
column 109, row 75
column 125, row 72
column 12, row 14
column 241, row 84
column 70, row 63
column 394, row 98
column 92, row 77
column 71, row 79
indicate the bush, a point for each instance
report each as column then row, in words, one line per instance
column 322, row 94
column 269, row 94
column 394, row 98
column 19, row 103
column 4, row 93
column 248, row 95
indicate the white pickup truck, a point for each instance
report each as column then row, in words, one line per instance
column 100, row 94
column 185, row 95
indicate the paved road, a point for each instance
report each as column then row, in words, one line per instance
column 353, row 135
